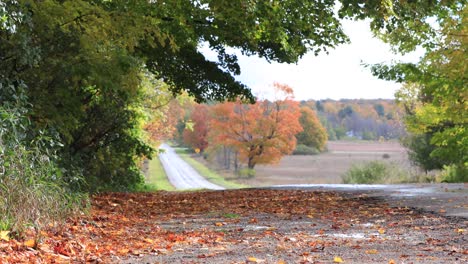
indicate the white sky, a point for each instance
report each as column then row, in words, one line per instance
column 336, row 75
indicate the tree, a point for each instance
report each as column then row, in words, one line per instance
column 313, row 134
column 379, row 109
column 419, row 151
column 435, row 95
column 82, row 62
column 196, row 136
column 262, row 132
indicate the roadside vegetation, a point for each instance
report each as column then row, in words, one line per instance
column 33, row 192
column 378, row 172
column 156, row 178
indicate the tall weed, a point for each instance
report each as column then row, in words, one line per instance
column 32, row 190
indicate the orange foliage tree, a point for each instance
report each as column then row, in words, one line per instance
column 262, row 132
column 162, row 124
column 196, row 136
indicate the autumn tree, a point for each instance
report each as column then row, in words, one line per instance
column 262, row 132
column 196, row 135
column 80, row 63
column 313, row 134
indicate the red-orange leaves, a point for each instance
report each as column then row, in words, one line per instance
column 262, row 132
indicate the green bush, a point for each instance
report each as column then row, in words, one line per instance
column 246, row 173
column 32, row 190
column 376, row 172
column 454, row 173
column 305, row 150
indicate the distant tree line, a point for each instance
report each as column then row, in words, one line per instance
column 366, row 119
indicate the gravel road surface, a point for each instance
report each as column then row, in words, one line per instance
column 181, row 175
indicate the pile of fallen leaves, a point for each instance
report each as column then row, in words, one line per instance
column 239, row 226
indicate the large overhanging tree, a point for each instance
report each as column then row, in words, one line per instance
column 435, row 95
column 80, row 64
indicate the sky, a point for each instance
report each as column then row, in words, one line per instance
column 336, row 76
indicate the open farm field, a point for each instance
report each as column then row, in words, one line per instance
column 328, row 167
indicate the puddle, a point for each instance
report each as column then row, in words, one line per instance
column 256, row 228
column 338, row 235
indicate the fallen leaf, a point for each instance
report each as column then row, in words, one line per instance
column 30, row 243
column 381, row 231
column 4, row 235
column 338, row 260
column 372, row 251
column 219, row 224
column 460, row 230
column 442, row 211
column 124, row 251
column 255, row 260
column 391, row 261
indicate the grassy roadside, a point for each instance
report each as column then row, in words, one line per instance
column 156, row 179
column 209, row 174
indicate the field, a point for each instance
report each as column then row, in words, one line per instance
column 328, row 167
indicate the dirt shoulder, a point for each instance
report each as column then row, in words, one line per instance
column 256, row 225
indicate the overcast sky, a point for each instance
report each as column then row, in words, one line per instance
column 336, row 75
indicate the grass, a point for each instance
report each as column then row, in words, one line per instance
column 209, row 174
column 156, row 179
column 231, row 215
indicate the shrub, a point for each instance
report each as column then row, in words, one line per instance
column 246, row 172
column 305, row 150
column 376, row 172
column 32, row 190
column 454, row 173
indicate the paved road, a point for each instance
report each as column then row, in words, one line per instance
column 448, row 199
column 181, row 175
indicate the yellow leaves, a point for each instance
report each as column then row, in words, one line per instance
column 254, row 260
column 30, row 243
column 460, row 230
column 219, row 224
column 391, row 261
column 124, row 251
column 338, row 260
column 381, row 231
column 372, row 251
column 4, row 235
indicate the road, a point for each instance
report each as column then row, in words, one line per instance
column 181, row 175
column 446, row 198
